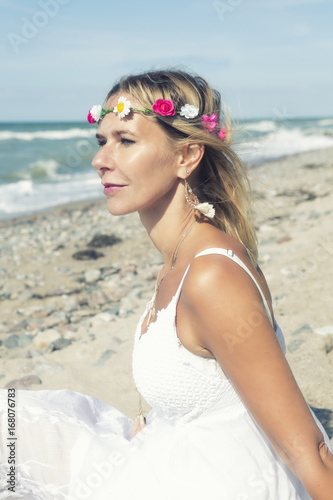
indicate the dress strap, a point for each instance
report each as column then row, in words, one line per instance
column 232, row 256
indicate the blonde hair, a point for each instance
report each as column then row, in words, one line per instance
column 223, row 178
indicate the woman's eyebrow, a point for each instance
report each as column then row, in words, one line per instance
column 116, row 132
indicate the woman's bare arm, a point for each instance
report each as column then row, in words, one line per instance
column 228, row 317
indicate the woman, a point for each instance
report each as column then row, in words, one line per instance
column 228, row 420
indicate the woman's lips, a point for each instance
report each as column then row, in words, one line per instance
column 111, row 188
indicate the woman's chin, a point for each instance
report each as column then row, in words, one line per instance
column 115, row 209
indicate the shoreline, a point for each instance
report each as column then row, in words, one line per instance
column 69, row 324
column 80, row 204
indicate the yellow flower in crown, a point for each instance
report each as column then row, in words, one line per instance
column 123, row 107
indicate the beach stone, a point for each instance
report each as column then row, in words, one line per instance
column 24, row 382
column 14, row 288
column 59, row 344
column 25, row 340
column 124, row 312
column 5, row 296
column 112, row 309
column 28, row 311
column 305, row 195
column 43, row 339
column 325, row 330
column 97, row 298
column 92, row 275
column 135, row 293
column 103, row 316
column 329, row 345
column 12, row 341
column 57, row 291
column 97, row 324
column 283, row 239
column 51, row 321
column 25, row 295
column 70, row 303
column 104, row 240
column 306, row 328
column 295, row 344
column 87, row 255
column 85, row 313
column 130, row 269
column 42, row 313
column 112, row 291
column 22, row 325
column 104, row 357
column 326, row 418
column 109, row 271
column 41, row 367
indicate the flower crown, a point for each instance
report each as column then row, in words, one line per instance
column 163, row 107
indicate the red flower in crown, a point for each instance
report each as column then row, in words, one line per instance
column 90, row 118
column 210, row 122
column 164, row 107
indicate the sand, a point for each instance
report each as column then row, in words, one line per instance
column 44, row 288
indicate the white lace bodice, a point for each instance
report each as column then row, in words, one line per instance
column 176, row 382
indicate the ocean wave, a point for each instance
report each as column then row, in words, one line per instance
column 44, row 169
column 282, row 143
column 263, row 126
column 56, row 135
column 26, row 196
column 325, row 122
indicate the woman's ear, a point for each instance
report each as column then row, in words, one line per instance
column 189, row 158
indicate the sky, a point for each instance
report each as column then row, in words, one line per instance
column 269, row 59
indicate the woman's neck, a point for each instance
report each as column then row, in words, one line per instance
column 167, row 223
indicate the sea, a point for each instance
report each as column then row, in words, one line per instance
column 44, row 165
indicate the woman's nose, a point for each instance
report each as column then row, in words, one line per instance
column 102, row 160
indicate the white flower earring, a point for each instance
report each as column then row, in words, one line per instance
column 206, row 209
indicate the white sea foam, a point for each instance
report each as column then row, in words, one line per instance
column 325, row 122
column 25, row 197
column 57, row 135
column 283, row 142
column 43, row 169
column 263, row 126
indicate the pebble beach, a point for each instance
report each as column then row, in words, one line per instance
column 74, row 282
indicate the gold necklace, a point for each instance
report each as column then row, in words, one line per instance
column 152, row 311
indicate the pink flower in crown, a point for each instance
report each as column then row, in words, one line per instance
column 210, row 123
column 164, row 107
column 222, row 134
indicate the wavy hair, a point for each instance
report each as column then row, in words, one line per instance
column 223, row 180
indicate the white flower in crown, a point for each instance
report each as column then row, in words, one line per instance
column 206, row 209
column 189, row 111
column 123, row 107
column 95, row 113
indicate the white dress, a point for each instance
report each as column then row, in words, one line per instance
column 200, row 441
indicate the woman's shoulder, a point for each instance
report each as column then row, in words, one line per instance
column 211, row 268
column 215, row 275
column 215, row 244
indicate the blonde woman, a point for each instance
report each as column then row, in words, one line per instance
column 228, row 420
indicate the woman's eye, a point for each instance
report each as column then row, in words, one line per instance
column 126, row 142
column 101, row 143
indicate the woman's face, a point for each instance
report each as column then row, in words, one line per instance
column 136, row 163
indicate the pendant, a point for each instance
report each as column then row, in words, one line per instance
column 138, row 424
